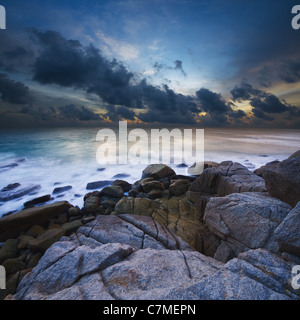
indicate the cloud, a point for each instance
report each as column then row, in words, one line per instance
column 175, row 117
column 80, row 113
column 212, row 102
column 119, row 113
column 290, row 71
column 244, row 91
column 263, row 103
column 14, row 92
column 238, row 114
column 119, row 49
column 50, row 59
column 218, row 111
column 68, row 63
column 178, row 66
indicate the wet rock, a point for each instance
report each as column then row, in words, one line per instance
column 113, row 191
column 224, row 179
column 61, row 189
column 10, row 187
column 288, row 232
column 147, row 185
column 9, row 250
column 123, row 184
column 194, row 170
column 137, row 185
column 246, row 220
column 139, row 206
column 91, row 204
column 12, row 226
column 98, row 184
column 121, row 175
column 71, row 227
column 260, row 170
column 182, row 165
column 8, row 165
column 17, row 192
column 133, row 193
column 74, row 212
column 34, row 231
column 154, row 194
column 109, row 203
column 283, row 179
column 23, row 241
column 38, row 200
column 157, row 171
column 33, row 259
column 46, row 239
column 13, row 265
column 179, row 187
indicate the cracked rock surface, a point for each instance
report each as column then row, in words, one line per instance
column 134, row 257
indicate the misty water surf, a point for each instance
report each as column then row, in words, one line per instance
column 67, row 157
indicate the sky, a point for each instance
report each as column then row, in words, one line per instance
column 195, row 62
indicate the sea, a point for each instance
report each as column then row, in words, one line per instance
column 61, row 157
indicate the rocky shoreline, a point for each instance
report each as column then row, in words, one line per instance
column 227, row 233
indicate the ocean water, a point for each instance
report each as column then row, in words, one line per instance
column 60, row 157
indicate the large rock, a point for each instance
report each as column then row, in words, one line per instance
column 38, row 200
column 46, row 239
column 12, row 225
column 157, row 171
column 114, row 191
column 8, row 250
column 245, row 221
column 198, row 169
column 91, row 204
column 224, row 179
column 177, row 214
column 131, row 257
column 283, row 179
column 7, row 193
column 288, row 232
column 124, row 257
column 254, row 275
column 178, row 187
column 98, row 184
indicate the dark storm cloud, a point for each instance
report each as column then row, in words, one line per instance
column 261, row 115
column 14, row 92
column 263, row 103
column 217, row 109
column 244, row 92
column 39, row 116
column 212, row 102
column 17, row 51
column 237, row 114
column 119, row 113
column 80, row 113
column 269, row 103
column 290, row 71
column 67, row 63
column 174, row 117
